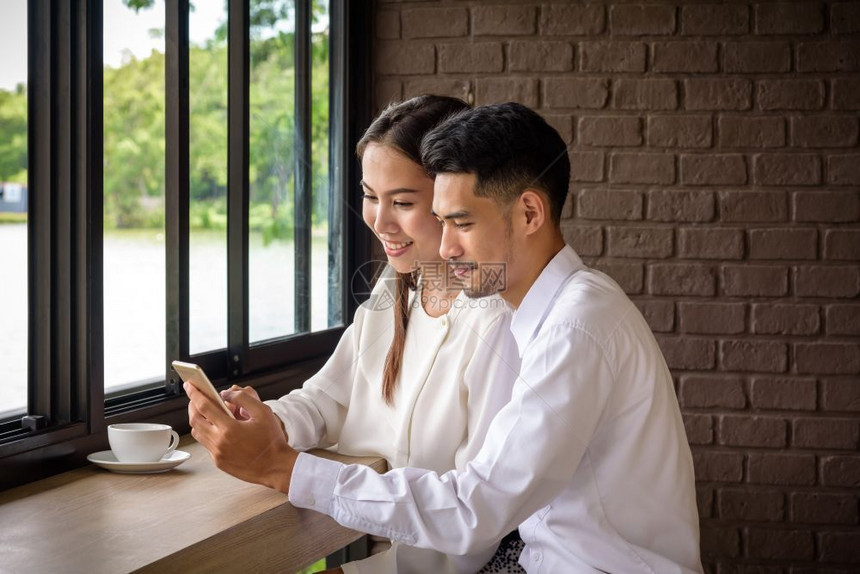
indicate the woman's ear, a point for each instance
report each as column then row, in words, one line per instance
column 533, row 208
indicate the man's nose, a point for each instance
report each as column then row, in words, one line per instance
column 450, row 247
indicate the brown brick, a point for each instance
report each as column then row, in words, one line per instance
column 588, row 93
column 785, row 319
column 712, row 318
column 510, row 20
column 787, row 169
column 828, row 56
column 844, row 169
column 821, row 433
column 826, row 281
column 823, row 508
column 641, row 20
column 652, row 168
column 681, row 279
column 755, row 281
column 782, row 469
column 825, row 206
column 756, row 57
column 840, row 395
column 610, row 131
column 612, row 56
column 843, row 319
column 723, row 169
column 824, row 131
column 782, row 393
column 714, row 19
column 705, row 501
column 827, row 358
column 754, row 356
column 746, row 131
column 710, row 243
column 680, row 206
column 525, row 56
column 686, row 57
column 572, row 20
column 436, row 86
column 718, row 466
column 699, row 429
column 587, row 240
column 718, row 94
column 789, row 18
column 388, row 25
column 659, row 314
column 780, row 94
column 648, row 94
column 686, row 353
column 710, row 391
column 749, row 206
column 386, row 92
column 783, row 243
column 780, row 544
column 402, row 58
column 586, row 166
column 562, row 123
column 842, row 244
column 629, row 275
column 840, row 471
column 506, row 89
column 751, row 505
column 680, row 131
column 845, row 18
column 846, row 94
column 470, row 58
column 839, row 547
column 644, row 242
column 434, row 22
column 720, row 542
column 610, row 204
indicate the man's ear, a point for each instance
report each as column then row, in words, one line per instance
column 533, row 210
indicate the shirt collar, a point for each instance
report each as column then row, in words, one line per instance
column 533, row 309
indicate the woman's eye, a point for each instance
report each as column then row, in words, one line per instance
column 368, row 197
column 402, row 204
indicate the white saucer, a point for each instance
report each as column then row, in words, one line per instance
column 106, row 459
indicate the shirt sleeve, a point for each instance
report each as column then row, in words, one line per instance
column 401, row 558
column 533, row 448
column 313, row 415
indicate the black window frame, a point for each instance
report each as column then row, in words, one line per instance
column 68, row 412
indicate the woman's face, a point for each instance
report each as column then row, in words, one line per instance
column 397, row 206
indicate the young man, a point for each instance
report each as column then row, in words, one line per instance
column 589, row 458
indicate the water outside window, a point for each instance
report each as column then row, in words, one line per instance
column 13, row 207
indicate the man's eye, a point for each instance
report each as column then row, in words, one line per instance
column 462, row 225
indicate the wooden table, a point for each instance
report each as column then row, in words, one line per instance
column 193, row 518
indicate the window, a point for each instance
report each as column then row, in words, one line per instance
column 187, row 166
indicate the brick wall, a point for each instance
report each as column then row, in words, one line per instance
column 715, row 176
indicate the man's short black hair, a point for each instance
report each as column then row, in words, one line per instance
column 508, row 147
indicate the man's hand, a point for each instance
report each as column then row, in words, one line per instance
column 253, row 449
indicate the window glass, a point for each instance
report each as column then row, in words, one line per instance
column 272, row 169
column 134, row 248
column 320, row 181
column 13, row 207
column 207, row 62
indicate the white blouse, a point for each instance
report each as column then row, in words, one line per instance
column 457, row 373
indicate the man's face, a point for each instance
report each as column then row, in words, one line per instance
column 476, row 236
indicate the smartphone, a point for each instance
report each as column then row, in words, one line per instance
column 193, row 374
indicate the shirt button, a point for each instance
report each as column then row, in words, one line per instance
column 444, row 322
column 537, row 556
column 310, row 502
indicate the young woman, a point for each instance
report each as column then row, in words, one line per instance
column 422, row 370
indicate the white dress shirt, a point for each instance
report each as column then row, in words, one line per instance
column 589, row 458
column 458, row 370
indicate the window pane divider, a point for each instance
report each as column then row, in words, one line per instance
column 302, row 178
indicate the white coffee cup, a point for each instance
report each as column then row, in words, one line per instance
column 141, row 442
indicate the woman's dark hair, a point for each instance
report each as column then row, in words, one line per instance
column 402, row 126
column 508, row 147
